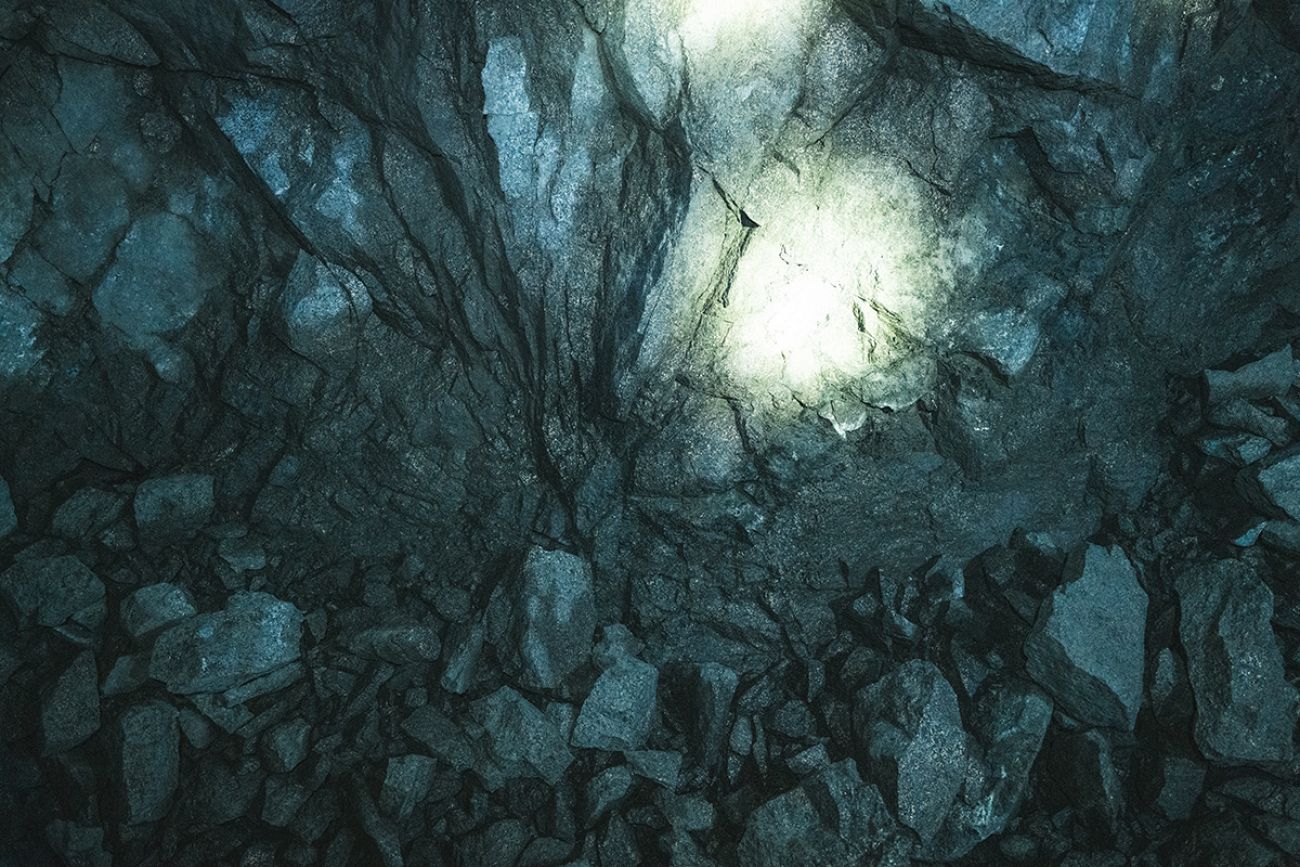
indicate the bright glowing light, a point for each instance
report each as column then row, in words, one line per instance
column 804, row 330
column 827, row 294
column 706, row 20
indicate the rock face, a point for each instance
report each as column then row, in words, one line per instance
column 909, row 731
column 255, row 634
column 1088, row 645
column 1245, row 709
column 358, row 360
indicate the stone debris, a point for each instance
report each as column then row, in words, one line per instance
column 1087, row 646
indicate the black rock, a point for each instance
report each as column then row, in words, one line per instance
column 173, row 507
column 555, row 616
column 518, row 741
column 619, row 711
column 1271, row 376
column 150, row 609
column 53, row 591
column 831, row 820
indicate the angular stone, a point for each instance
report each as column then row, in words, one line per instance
column 710, row 689
column 619, row 712
column 55, row 590
column 1006, row 339
column 1273, row 485
column 445, row 739
column 174, row 507
column 152, row 608
column 1173, row 785
column 556, row 616
column 661, row 766
column 8, row 517
column 518, row 741
column 285, row 746
column 605, row 790
column 87, row 512
column 1271, row 376
column 406, row 784
column 148, row 766
column 1246, row 710
column 255, row 634
column 909, row 730
column 70, row 712
column 831, row 820
column 1087, row 646
column 1010, row 721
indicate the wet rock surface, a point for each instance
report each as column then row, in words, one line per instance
column 693, row 433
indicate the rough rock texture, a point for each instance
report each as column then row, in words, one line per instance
column 359, row 360
column 911, row 736
column 1246, row 711
column 1087, row 647
column 255, row 634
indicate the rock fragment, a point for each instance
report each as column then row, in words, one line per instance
column 1271, row 376
column 406, row 783
column 555, row 616
column 619, row 712
column 909, row 730
column 1246, row 710
column 518, row 741
column 70, row 712
column 832, row 820
column 1273, row 485
column 148, row 753
column 1087, row 646
column 255, row 634
column 8, row 517
column 174, row 507
column 54, row 591
column 151, row 609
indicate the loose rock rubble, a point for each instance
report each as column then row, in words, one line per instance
column 600, row 433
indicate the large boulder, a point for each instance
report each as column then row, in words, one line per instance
column 255, row 634
column 1087, row 646
column 908, row 728
column 1245, row 709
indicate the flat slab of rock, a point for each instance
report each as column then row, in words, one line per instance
column 1245, row 708
column 1087, row 647
column 254, row 635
